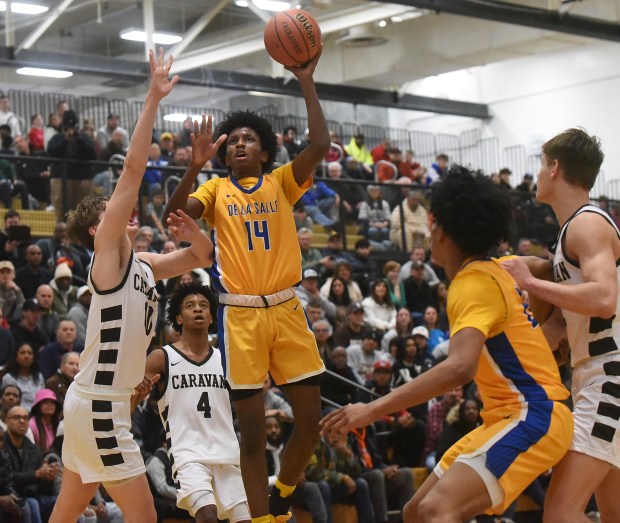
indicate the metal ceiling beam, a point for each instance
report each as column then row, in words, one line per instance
column 31, row 39
column 196, row 28
column 520, row 15
column 138, row 72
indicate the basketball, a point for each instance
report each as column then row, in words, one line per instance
column 292, row 37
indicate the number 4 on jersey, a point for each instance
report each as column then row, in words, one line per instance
column 203, row 405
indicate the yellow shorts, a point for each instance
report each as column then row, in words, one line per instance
column 257, row 340
column 516, row 449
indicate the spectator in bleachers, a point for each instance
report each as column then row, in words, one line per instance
column 418, row 293
column 343, row 269
column 340, row 298
column 336, row 151
column 357, row 149
column 27, row 330
column 361, row 357
column 65, row 293
column 423, row 359
column 350, row 195
column 33, row 476
column 10, row 396
column 154, row 212
column 116, row 145
column 78, row 313
column 34, row 173
column 44, row 418
column 365, row 268
column 395, row 170
column 53, row 127
column 384, row 481
column 435, row 334
column 355, row 329
column 302, row 220
column 401, row 329
column 314, row 312
column 34, row 274
column 184, row 137
column 467, row 419
column 378, row 308
column 153, row 175
column 333, row 388
column 7, row 345
column 321, row 204
column 57, row 247
column 70, row 144
column 8, row 117
column 504, row 179
column 419, row 254
column 36, row 135
column 61, row 108
column 349, row 488
column 437, row 170
column 105, row 132
column 290, row 141
column 380, row 152
column 11, row 295
column 166, row 145
column 48, row 321
column 435, row 423
column 323, row 331
column 527, row 185
column 22, row 370
column 63, row 377
column 334, row 251
column 282, row 156
column 10, row 185
column 405, row 368
column 51, row 354
column 414, row 219
column 352, row 169
column 275, row 404
column 308, row 291
column 311, row 257
column 374, row 216
column 396, row 289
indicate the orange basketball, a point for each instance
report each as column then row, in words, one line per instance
column 292, row 37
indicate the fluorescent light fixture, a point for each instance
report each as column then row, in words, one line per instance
column 268, row 95
column 407, row 15
column 180, row 117
column 25, row 9
column 137, row 35
column 48, row 73
column 271, row 5
column 382, row 23
column 241, row 3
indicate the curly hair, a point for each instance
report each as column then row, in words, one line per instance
column 258, row 124
column 83, row 217
column 180, row 293
column 471, row 210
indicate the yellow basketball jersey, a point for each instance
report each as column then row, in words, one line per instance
column 254, row 234
column 516, row 366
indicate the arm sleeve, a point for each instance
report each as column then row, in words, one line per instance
column 285, row 178
column 206, row 194
column 476, row 300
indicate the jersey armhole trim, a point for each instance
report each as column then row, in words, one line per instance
column 119, row 286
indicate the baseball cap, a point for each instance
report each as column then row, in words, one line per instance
column 382, row 364
column 310, row 273
column 82, row 290
column 355, row 307
column 166, row 136
column 6, row 264
column 69, row 118
column 528, row 176
column 32, row 304
column 420, row 331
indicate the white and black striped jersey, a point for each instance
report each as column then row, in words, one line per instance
column 195, row 410
column 587, row 336
column 121, row 323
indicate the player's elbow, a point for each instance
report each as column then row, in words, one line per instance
column 606, row 307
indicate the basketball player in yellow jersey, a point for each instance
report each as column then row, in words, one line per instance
column 494, row 341
column 262, row 325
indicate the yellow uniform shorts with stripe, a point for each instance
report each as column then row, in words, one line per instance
column 517, row 447
column 257, row 340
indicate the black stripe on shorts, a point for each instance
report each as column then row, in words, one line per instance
column 103, row 425
column 602, row 346
column 107, row 443
column 104, row 377
column 102, row 406
column 110, row 460
column 604, row 432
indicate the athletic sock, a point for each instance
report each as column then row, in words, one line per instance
column 262, row 519
column 280, row 501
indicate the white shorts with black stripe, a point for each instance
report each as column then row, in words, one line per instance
column 98, row 444
column 596, row 399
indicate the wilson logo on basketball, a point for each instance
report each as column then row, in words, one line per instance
column 291, row 37
column 305, row 23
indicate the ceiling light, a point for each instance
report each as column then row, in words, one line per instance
column 382, row 23
column 241, row 3
column 137, row 35
column 268, row 95
column 271, row 5
column 181, row 117
column 25, row 9
column 48, row 73
column 407, row 15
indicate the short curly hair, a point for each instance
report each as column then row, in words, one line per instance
column 258, row 124
column 471, row 210
column 177, row 297
column 83, row 217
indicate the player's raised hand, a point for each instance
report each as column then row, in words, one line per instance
column 143, row 389
column 183, row 226
column 161, row 85
column 306, row 70
column 347, row 418
column 203, row 149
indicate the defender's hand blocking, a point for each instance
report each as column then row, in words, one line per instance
column 183, row 226
column 160, row 71
column 202, row 147
column 353, row 416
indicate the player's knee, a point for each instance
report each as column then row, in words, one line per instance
column 559, row 512
column 206, row 514
column 429, row 510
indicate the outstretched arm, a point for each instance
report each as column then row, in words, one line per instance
column 306, row 161
column 202, row 151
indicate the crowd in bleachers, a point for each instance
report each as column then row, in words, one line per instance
column 378, row 311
